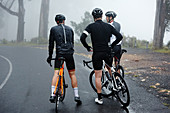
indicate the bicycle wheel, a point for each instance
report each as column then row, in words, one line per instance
column 123, row 92
column 58, row 95
column 121, row 70
column 56, row 102
column 106, row 87
column 64, row 91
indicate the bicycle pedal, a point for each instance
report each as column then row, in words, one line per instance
column 66, row 85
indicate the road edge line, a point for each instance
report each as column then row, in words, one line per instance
column 9, row 73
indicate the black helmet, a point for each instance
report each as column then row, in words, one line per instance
column 97, row 13
column 59, row 18
column 111, row 14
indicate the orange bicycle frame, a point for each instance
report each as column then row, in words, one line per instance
column 61, row 81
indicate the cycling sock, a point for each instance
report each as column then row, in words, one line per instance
column 52, row 90
column 99, row 96
column 76, row 92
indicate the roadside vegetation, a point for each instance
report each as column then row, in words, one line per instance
column 127, row 42
column 33, row 42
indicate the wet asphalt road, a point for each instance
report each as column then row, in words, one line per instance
column 27, row 87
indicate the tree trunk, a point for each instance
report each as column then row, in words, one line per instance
column 43, row 24
column 21, row 23
column 159, row 24
column 20, row 14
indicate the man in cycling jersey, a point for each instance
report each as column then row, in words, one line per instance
column 110, row 15
column 63, row 37
column 100, row 35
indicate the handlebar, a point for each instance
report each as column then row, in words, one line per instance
column 85, row 63
column 60, row 58
column 53, row 58
column 124, row 51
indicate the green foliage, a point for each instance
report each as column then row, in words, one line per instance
column 4, row 41
column 164, row 50
column 79, row 27
column 134, row 42
column 39, row 40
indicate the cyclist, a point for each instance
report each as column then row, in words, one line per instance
column 63, row 37
column 100, row 35
column 110, row 15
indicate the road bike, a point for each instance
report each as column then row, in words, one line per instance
column 114, row 85
column 60, row 87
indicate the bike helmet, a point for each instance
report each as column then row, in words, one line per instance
column 59, row 18
column 97, row 13
column 111, row 14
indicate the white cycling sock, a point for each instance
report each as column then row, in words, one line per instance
column 76, row 92
column 52, row 90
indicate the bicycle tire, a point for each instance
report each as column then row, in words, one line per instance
column 121, row 70
column 64, row 91
column 57, row 98
column 56, row 102
column 122, row 91
column 103, row 79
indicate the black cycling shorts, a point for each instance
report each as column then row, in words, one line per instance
column 98, row 58
column 117, row 50
column 69, row 60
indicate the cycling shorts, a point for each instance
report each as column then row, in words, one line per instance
column 98, row 58
column 117, row 50
column 69, row 60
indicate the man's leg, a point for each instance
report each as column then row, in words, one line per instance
column 116, row 63
column 73, row 78
column 108, row 69
column 54, row 80
column 98, row 75
column 53, row 84
column 74, row 85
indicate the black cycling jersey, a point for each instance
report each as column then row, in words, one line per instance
column 63, row 36
column 100, row 35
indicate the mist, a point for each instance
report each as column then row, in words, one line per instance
column 136, row 17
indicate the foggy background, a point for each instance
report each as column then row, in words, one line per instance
column 135, row 16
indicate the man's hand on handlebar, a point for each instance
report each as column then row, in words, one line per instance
column 90, row 49
column 49, row 60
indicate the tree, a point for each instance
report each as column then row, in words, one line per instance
column 43, row 23
column 7, row 5
column 167, row 17
column 79, row 27
column 162, row 22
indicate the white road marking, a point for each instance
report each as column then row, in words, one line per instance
column 9, row 73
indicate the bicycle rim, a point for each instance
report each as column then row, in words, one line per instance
column 123, row 92
column 105, row 92
column 64, row 91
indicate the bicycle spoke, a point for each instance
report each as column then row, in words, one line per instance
column 123, row 93
column 106, row 88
